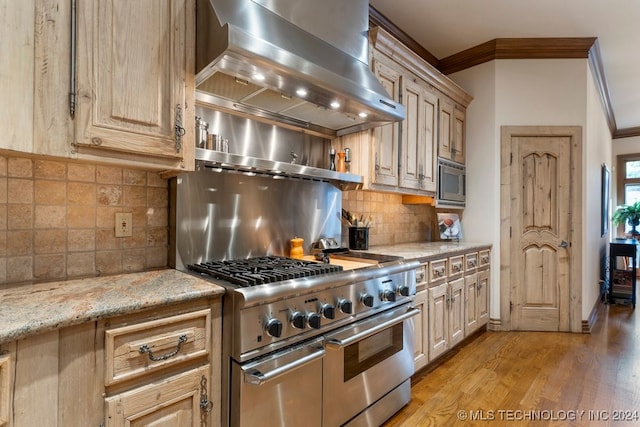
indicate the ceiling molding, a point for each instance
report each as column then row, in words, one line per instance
column 517, row 48
column 376, row 19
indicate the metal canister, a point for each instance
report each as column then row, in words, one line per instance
column 202, row 129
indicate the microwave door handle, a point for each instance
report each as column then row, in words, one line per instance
column 336, row 344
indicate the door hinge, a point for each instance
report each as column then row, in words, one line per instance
column 510, row 232
column 510, row 306
column 511, row 159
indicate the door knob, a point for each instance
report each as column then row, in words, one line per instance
column 564, row 244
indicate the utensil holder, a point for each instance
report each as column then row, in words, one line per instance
column 359, row 238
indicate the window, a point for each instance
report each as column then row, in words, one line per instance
column 628, row 181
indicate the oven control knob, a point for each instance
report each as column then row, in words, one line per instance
column 314, row 320
column 388, row 295
column 328, row 311
column 345, row 306
column 273, row 328
column 298, row 320
column 367, row 300
column 404, row 291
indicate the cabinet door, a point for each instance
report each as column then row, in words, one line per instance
column 421, row 330
column 418, row 161
column 483, row 297
column 438, row 320
column 457, row 137
column 471, row 303
column 456, row 311
column 172, row 402
column 5, row 389
column 385, row 138
column 446, row 120
column 135, row 80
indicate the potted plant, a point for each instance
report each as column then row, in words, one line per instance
column 629, row 214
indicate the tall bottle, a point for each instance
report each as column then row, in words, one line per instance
column 332, row 159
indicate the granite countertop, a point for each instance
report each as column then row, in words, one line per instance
column 28, row 309
column 423, row 251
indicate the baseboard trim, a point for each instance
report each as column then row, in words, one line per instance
column 587, row 324
column 495, row 325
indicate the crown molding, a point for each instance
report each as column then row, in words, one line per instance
column 517, row 48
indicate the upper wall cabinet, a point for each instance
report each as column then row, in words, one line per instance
column 402, row 157
column 135, row 77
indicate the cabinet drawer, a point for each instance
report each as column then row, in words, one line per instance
column 484, row 258
column 421, row 276
column 141, row 348
column 456, row 265
column 471, row 261
column 437, row 270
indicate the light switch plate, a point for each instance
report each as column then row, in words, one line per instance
column 124, row 224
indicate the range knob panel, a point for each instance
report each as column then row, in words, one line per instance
column 314, row 320
column 298, row 320
column 403, row 290
column 273, row 328
column 388, row 295
column 367, row 299
column 345, row 306
column 328, row 311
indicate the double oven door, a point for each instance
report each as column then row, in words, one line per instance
column 331, row 379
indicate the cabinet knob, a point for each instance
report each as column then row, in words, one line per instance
column 563, row 244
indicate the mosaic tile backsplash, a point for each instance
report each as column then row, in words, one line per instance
column 57, row 219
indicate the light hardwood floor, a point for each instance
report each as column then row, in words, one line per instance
column 535, row 378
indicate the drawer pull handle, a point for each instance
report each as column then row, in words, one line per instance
column 145, row 349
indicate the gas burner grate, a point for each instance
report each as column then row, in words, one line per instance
column 261, row 270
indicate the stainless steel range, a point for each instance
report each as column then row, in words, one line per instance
column 304, row 340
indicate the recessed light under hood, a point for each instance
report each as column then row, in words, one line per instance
column 304, row 63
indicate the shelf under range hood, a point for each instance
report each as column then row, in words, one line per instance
column 222, row 161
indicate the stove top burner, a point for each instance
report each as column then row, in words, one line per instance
column 267, row 269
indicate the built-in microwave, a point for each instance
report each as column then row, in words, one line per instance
column 451, row 184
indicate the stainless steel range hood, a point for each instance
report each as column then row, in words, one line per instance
column 290, row 61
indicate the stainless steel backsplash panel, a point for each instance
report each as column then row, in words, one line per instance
column 232, row 215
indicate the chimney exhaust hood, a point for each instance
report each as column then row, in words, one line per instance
column 303, row 63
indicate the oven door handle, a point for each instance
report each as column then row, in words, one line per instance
column 257, row 377
column 355, row 334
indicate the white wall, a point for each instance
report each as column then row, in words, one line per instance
column 597, row 150
column 521, row 93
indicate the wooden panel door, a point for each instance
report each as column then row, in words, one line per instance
column 471, row 303
column 446, row 123
column 438, row 320
column 168, row 403
column 5, row 389
column 457, row 137
column 135, row 72
column 540, row 221
column 410, row 161
column 482, row 300
column 386, row 138
column 456, row 311
column 421, row 330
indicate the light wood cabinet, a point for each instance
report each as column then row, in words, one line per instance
column 135, row 81
column 174, row 401
column 418, row 160
column 5, row 390
column 421, row 322
column 403, row 158
column 476, row 291
column 386, row 138
column 66, row 377
column 457, row 302
column 451, row 141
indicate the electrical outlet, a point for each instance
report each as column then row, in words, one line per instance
column 124, row 223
